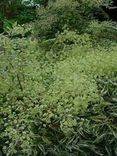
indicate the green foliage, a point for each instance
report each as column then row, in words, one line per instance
column 7, row 24
column 42, row 2
column 18, row 62
column 8, row 10
column 58, row 90
column 25, row 15
column 14, row 11
column 103, row 30
column 53, row 106
column 9, row 7
column 69, row 39
column 61, row 13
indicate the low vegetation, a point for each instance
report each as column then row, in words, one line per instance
column 58, row 82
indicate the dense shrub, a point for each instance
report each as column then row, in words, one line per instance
column 58, row 81
column 17, row 62
column 72, row 14
column 64, row 41
column 105, row 30
column 57, row 106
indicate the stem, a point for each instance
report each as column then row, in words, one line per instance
column 19, row 82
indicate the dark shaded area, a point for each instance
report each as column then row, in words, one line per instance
column 20, row 13
column 1, row 26
column 112, row 11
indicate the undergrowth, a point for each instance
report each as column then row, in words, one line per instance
column 59, row 102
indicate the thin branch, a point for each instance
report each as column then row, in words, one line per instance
column 112, row 8
column 19, row 82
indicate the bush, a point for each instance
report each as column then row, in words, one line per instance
column 57, row 106
column 105, row 30
column 58, row 14
column 17, row 87
column 68, row 39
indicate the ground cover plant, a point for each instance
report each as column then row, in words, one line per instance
column 58, row 86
